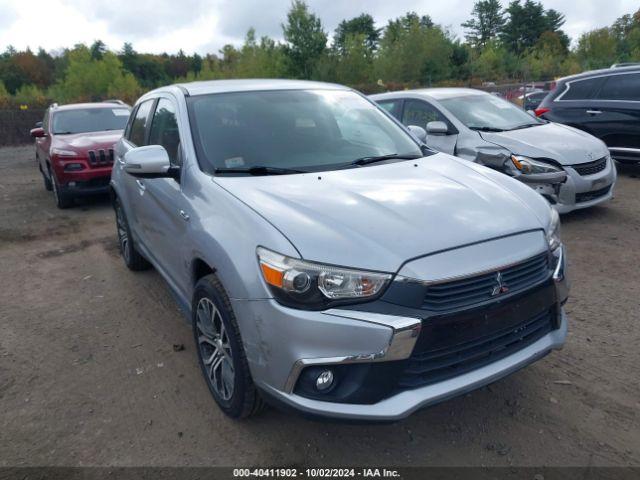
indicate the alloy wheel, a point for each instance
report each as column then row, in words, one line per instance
column 123, row 236
column 214, row 349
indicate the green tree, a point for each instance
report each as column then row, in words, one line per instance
column 486, row 22
column 597, row 49
column 88, row 79
column 413, row 50
column 31, row 96
column 98, row 48
column 527, row 22
column 305, row 40
column 355, row 65
column 361, row 25
column 5, row 97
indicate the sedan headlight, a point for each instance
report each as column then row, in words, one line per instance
column 63, row 153
column 529, row 165
column 553, row 231
column 314, row 286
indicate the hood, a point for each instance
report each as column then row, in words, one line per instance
column 380, row 216
column 88, row 141
column 566, row 145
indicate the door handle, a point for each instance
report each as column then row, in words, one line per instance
column 594, row 112
column 184, row 215
column 141, row 185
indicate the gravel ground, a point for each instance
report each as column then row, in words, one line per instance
column 89, row 376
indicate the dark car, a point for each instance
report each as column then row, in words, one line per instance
column 74, row 147
column 604, row 103
column 532, row 100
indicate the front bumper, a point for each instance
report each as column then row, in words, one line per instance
column 578, row 186
column 281, row 343
column 406, row 402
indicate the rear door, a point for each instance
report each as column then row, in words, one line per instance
column 618, row 102
column 420, row 112
column 575, row 106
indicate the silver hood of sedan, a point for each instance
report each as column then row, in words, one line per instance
column 564, row 144
column 378, row 217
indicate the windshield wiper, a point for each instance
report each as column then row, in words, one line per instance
column 526, row 125
column 380, row 158
column 260, row 170
column 487, row 129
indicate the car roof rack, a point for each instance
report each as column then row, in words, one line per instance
column 116, row 101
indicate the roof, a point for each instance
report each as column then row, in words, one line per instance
column 435, row 93
column 75, row 106
column 248, row 85
column 604, row 71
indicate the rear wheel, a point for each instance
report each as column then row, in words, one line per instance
column 220, row 351
column 132, row 258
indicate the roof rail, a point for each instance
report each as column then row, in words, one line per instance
column 116, row 101
column 54, row 105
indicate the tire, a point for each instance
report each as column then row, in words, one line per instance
column 47, row 181
column 221, row 354
column 63, row 200
column 132, row 258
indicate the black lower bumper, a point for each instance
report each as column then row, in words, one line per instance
column 95, row 186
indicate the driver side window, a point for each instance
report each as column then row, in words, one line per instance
column 164, row 130
column 420, row 113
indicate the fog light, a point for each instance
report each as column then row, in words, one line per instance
column 324, row 380
column 73, row 167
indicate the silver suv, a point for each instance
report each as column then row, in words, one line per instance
column 326, row 259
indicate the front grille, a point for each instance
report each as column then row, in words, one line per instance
column 588, row 196
column 101, row 158
column 439, row 364
column 457, row 294
column 591, row 167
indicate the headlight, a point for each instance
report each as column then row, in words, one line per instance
column 63, row 153
column 553, row 231
column 314, row 286
column 529, row 165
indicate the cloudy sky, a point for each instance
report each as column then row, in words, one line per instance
column 206, row 25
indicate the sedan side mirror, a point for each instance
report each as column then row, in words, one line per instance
column 437, row 128
column 418, row 132
column 151, row 161
column 38, row 132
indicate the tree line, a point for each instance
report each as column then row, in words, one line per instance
column 520, row 42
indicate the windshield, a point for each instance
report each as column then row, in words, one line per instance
column 487, row 112
column 299, row 130
column 89, row 120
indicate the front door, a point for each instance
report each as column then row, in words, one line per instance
column 420, row 113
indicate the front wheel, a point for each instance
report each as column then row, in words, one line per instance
column 132, row 258
column 63, row 200
column 220, row 351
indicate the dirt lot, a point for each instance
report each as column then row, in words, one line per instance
column 88, row 374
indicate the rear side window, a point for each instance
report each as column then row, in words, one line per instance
column 164, row 130
column 621, row 87
column 139, row 124
column 392, row 106
column 581, row 89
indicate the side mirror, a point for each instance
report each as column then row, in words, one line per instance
column 38, row 132
column 418, row 132
column 151, row 161
column 437, row 128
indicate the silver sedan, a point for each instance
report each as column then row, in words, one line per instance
column 480, row 127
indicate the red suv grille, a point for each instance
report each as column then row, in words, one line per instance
column 101, row 158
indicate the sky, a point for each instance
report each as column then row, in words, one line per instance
column 204, row 26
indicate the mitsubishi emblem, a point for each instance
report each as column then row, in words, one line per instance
column 500, row 286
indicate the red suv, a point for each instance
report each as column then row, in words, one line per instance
column 74, row 147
